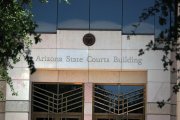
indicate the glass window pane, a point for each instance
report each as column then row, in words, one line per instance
column 45, row 15
column 106, row 14
column 118, row 99
column 159, row 28
column 73, row 16
column 132, row 9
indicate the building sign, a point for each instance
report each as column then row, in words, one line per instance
column 91, row 59
column 97, row 59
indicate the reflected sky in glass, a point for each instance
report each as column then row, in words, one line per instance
column 45, row 15
column 120, row 89
column 73, row 16
column 94, row 14
column 132, row 9
column 158, row 27
column 106, row 14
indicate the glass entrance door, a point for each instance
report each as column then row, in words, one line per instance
column 118, row 102
column 57, row 101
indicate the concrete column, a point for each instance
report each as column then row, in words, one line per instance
column 178, row 106
column 88, row 104
column 17, row 107
column 158, row 88
column 2, row 102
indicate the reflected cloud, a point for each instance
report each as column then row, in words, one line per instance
column 78, row 23
column 105, row 25
column 74, row 23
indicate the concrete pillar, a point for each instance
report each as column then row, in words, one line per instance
column 178, row 106
column 17, row 107
column 88, row 104
column 2, row 102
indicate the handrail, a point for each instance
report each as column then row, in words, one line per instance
column 109, row 92
column 134, row 95
column 43, row 99
column 134, row 105
column 70, row 105
column 136, row 99
column 105, row 100
column 71, row 90
column 40, row 107
column 43, row 94
column 73, row 94
column 74, row 108
column 43, row 89
column 118, row 104
column 103, row 95
column 69, row 100
column 134, row 91
column 105, row 105
column 104, row 109
column 55, row 102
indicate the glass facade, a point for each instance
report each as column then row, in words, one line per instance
column 106, row 14
column 74, row 15
column 94, row 15
column 45, row 15
column 132, row 9
column 54, row 101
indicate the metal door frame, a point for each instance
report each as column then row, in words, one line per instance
column 59, row 115
column 113, row 116
column 56, row 116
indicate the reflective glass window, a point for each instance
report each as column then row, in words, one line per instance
column 132, row 9
column 45, row 15
column 105, row 14
column 74, row 15
column 159, row 28
column 118, row 99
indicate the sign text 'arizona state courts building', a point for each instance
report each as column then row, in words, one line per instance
column 88, row 66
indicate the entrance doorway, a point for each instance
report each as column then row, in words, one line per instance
column 119, row 102
column 57, row 101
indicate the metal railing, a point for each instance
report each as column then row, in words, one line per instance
column 46, row 101
column 107, row 102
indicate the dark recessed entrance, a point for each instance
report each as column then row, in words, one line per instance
column 115, row 102
column 57, row 101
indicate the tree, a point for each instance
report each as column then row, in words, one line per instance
column 16, row 25
column 167, row 13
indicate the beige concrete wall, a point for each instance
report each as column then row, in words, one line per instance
column 83, row 76
column 108, row 44
column 18, row 107
column 2, row 102
column 178, row 106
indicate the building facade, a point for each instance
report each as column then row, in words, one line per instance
column 88, row 66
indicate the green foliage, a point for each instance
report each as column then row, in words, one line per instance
column 168, row 37
column 161, row 103
column 16, row 24
column 16, row 27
